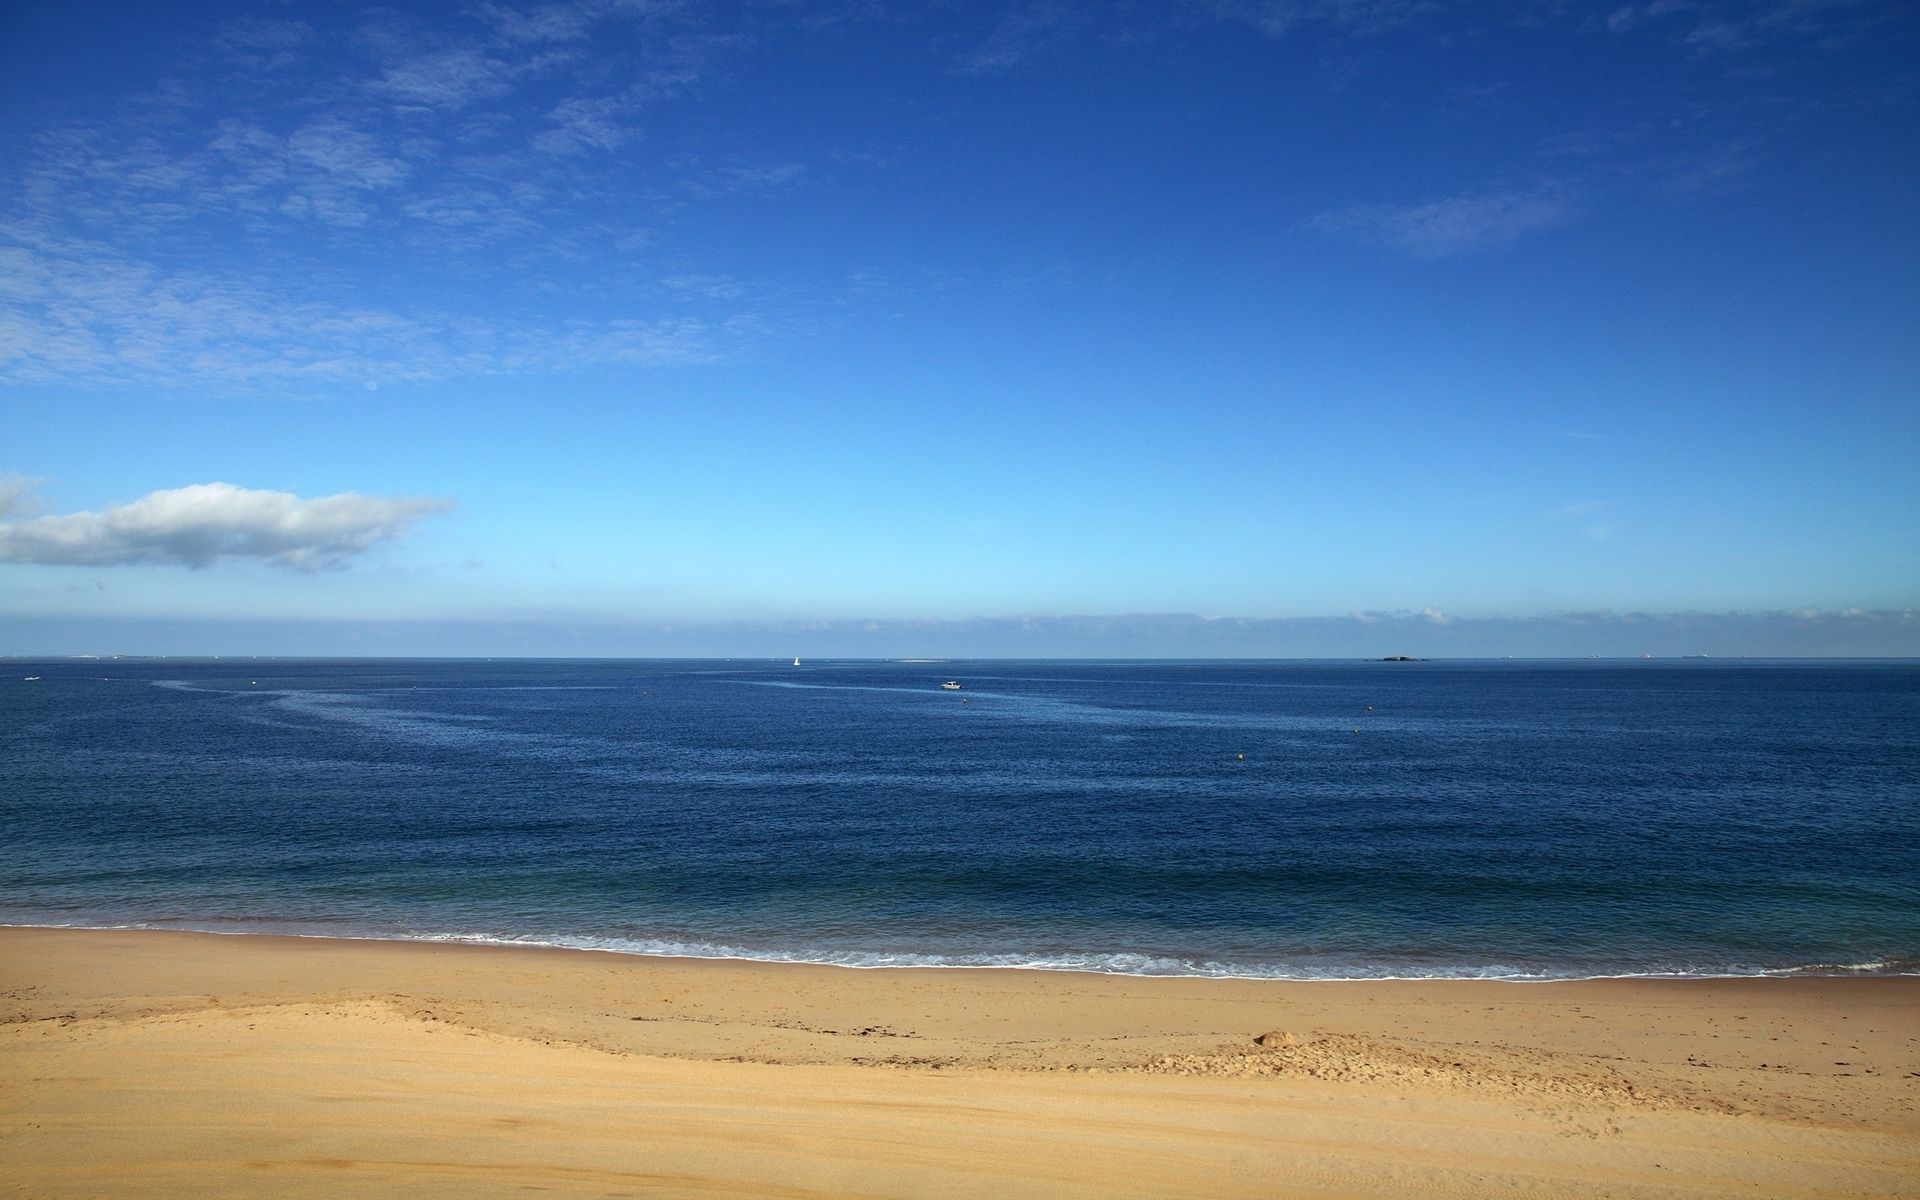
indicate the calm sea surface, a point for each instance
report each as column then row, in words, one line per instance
column 1286, row 819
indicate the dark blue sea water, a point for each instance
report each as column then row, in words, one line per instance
column 1286, row 819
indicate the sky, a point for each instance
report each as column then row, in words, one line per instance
column 1262, row 328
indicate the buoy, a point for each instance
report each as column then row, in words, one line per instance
column 1240, row 757
column 1356, row 729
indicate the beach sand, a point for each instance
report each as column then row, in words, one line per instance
column 177, row 1064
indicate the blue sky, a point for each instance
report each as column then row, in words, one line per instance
column 1272, row 326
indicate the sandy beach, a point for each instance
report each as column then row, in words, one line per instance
column 177, row 1064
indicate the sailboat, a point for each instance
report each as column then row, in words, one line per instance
column 796, row 661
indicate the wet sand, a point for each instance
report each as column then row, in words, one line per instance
column 174, row 1064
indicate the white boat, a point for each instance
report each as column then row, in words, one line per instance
column 950, row 686
column 796, row 662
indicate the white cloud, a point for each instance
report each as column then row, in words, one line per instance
column 16, row 496
column 1452, row 226
column 205, row 523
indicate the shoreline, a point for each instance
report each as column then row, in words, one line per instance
column 1882, row 968
column 168, row 1063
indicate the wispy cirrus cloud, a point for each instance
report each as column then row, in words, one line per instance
column 1025, row 31
column 1453, row 225
column 582, row 125
column 264, row 43
column 77, row 313
column 1276, row 17
column 207, row 523
column 1729, row 26
column 1679, row 145
column 447, row 78
column 228, row 228
column 1030, row 29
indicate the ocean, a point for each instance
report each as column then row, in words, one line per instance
column 1314, row 819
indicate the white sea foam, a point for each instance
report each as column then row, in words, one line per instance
column 1091, row 963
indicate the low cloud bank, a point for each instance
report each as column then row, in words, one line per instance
column 1425, row 633
column 1845, row 633
column 205, row 523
